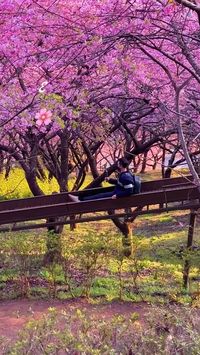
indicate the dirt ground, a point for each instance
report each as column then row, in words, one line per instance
column 15, row 314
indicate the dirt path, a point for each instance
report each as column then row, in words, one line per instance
column 14, row 314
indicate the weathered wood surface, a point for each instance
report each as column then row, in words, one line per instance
column 63, row 197
column 160, row 192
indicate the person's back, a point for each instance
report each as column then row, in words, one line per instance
column 125, row 185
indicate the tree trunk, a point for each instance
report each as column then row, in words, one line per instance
column 53, row 253
column 183, row 143
column 168, row 170
column 144, row 162
column 125, row 228
column 163, row 161
column 32, row 183
column 186, row 269
column 127, row 239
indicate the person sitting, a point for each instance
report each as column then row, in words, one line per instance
column 124, row 185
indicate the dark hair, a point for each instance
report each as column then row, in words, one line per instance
column 123, row 162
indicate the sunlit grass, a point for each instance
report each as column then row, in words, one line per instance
column 16, row 186
column 156, row 174
column 158, row 241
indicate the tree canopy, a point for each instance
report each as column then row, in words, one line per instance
column 77, row 75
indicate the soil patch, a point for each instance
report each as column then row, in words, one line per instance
column 15, row 314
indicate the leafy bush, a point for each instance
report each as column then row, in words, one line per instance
column 166, row 331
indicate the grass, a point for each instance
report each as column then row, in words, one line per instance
column 157, row 260
column 92, row 262
column 16, row 185
column 156, row 174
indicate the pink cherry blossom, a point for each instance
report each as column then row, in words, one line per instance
column 43, row 117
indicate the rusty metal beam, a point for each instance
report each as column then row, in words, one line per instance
column 99, row 218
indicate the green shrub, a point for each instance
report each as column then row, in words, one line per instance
column 166, row 331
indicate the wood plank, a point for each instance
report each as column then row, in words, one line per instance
column 69, row 209
column 63, row 197
column 101, row 217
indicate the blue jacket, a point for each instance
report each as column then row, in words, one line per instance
column 124, row 184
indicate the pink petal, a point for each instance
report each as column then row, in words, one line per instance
column 42, row 111
column 49, row 113
column 47, row 121
column 39, row 122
